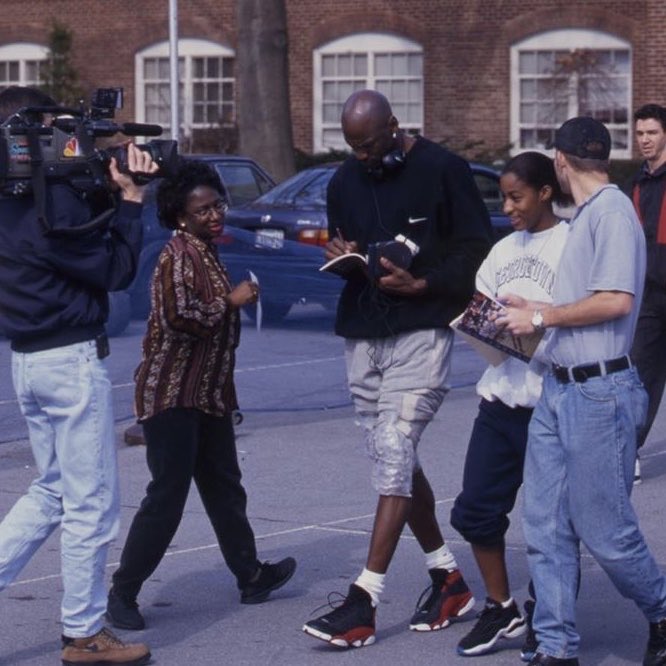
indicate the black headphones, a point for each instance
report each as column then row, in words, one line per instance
column 394, row 160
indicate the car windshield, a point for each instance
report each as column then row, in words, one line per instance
column 242, row 181
column 307, row 187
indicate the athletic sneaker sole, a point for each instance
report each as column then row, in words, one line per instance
column 517, row 628
column 359, row 637
column 436, row 626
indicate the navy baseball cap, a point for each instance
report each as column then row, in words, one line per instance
column 583, row 137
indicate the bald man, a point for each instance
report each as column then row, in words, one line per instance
column 393, row 316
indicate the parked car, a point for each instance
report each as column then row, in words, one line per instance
column 296, row 208
column 244, row 180
column 282, row 233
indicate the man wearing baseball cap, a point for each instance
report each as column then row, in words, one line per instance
column 581, row 449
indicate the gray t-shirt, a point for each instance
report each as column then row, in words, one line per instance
column 605, row 252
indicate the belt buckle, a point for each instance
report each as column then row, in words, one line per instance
column 578, row 374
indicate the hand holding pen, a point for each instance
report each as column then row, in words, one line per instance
column 338, row 245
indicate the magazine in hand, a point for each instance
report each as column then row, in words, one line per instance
column 479, row 330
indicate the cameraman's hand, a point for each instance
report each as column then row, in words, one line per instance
column 400, row 281
column 244, row 293
column 138, row 161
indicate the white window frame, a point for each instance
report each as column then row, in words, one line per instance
column 187, row 50
column 368, row 43
column 23, row 52
column 562, row 40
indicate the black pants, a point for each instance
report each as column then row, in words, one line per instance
column 493, row 473
column 649, row 351
column 181, row 445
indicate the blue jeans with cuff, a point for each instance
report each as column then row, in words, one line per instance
column 578, row 477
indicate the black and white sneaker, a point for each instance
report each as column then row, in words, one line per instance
column 351, row 624
column 494, row 622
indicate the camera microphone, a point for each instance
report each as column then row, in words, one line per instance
column 140, row 129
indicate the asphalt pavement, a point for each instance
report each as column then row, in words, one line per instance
column 310, row 497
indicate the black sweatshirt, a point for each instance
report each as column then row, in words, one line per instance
column 53, row 290
column 650, row 201
column 432, row 200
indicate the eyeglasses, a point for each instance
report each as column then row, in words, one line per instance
column 219, row 207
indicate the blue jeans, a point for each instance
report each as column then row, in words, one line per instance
column 578, row 478
column 65, row 397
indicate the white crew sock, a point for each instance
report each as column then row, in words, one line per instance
column 507, row 603
column 442, row 558
column 372, row 583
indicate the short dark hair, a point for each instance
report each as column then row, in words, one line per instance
column 173, row 191
column 651, row 111
column 588, row 164
column 537, row 170
column 17, row 97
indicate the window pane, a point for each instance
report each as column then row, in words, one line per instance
column 399, row 92
column 163, row 65
column 545, row 62
column 414, row 114
column 331, row 113
column 414, row 91
column 198, row 67
column 399, row 64
column 382, row 65
column 528, row 89
column 227, row 68
column 344, row 65
column 328, row 65
column 415, row 64
column 228, row 92
column 360, row 64
column 527, row 138
column 528, row 113
column 150, row 68
column 622, row 62
column 527, row 62
column 214, row 69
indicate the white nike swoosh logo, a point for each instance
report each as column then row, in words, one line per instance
column 414, row 220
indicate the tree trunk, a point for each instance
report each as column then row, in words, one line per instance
column 262, row 85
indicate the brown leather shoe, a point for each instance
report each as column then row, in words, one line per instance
column 103, row 649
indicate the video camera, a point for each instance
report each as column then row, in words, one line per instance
column 33, row 151
column 65, row 149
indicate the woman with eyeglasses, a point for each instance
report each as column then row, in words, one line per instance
column 185, row 397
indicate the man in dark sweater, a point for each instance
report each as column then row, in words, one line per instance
column 398, row 345
column 53, row 305
column 649, row 196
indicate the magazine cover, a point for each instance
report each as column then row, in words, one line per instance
column 477, row 327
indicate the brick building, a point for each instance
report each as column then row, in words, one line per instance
column 485, row 75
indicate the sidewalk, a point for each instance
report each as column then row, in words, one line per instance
column 309, row 496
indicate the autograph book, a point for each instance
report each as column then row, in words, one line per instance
column 476, row 326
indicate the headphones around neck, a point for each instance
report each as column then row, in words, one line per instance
column 394, row 160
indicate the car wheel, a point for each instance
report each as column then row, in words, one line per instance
column 272, row 313
column 119, row 313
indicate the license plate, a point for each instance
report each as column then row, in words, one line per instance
column 270, row 238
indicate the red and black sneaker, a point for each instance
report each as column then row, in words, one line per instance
column 448, row 597
column 351, row 624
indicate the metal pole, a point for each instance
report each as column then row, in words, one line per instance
column 173, row 68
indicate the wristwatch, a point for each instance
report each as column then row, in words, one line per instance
column 537, row 321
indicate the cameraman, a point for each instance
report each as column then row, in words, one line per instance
column 53, row 305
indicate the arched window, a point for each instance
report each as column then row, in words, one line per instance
column 206, row 85
column 392, row 65
column 20, row 64
column 565, row 73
